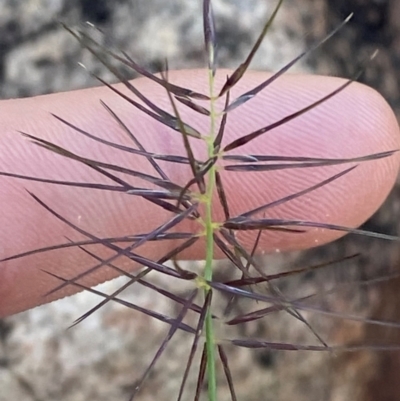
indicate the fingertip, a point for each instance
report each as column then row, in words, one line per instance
column 354, row 123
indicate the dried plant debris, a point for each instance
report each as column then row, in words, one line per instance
column 211, row 307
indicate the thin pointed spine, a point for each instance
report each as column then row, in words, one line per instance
column 165, row 319
column 298, row 305
column 245, row 97
column 196, row 339
column 228, row 375
column 192, row 161
column 201, row 375
column 239, row 72
column 174, row 327
column 209, row 35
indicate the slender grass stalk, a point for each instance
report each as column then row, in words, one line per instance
column 209, row 226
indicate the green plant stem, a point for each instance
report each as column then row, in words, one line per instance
column 208, row 273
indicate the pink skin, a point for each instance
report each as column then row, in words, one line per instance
column 356, row 122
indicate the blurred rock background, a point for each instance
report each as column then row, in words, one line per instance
column 101, row 358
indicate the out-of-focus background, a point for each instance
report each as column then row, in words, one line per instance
column 101, row 358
